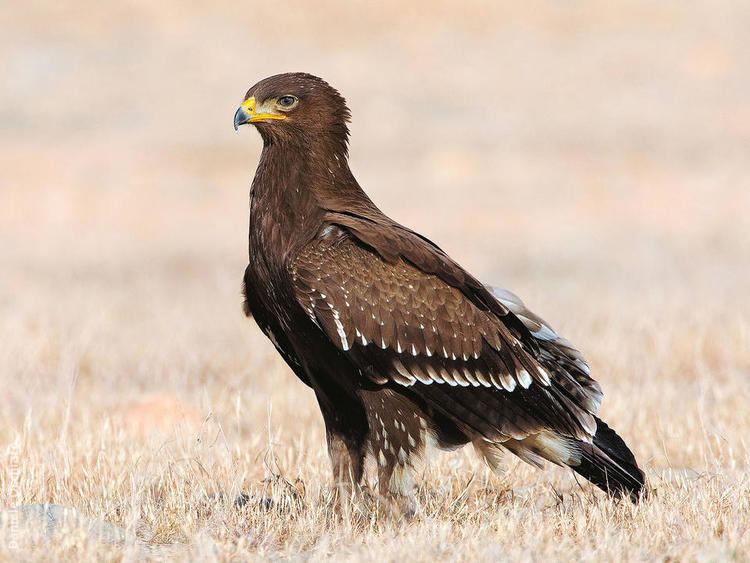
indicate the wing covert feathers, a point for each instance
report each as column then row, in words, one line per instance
column 403, row 326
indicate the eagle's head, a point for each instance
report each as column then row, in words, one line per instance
column 295, row 106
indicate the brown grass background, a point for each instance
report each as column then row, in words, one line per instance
column 593, row 157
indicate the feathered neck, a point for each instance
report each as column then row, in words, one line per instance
column 300, row 177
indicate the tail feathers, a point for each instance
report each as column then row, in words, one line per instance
column 610, row 465
column 606, row 462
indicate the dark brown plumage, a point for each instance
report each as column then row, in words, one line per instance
column 401, row 345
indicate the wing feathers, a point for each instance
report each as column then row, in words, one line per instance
column 412, row 328
column 557, row 356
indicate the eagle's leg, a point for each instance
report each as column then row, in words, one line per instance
column 346, row 434
column 396, row 442
column 346, row 460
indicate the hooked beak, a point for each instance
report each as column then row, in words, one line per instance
column 246, row 113
column 240, row 117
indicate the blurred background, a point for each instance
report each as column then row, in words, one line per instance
column 593, row 157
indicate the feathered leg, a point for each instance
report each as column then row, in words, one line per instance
column 398, row 432
column 346, row 432
column 346, row 460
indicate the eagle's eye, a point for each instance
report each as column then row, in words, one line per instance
column 287, row 102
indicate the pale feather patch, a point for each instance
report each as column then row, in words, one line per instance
column 432, row 373
column 523, row 378
column 507, row 381
column 470, row 377
column 543, row 375
column 422, row 377
column 482, row 378
column 491, row 453
column 459, row 378
column 402, row 375
column 381, row 459
column 340, row 330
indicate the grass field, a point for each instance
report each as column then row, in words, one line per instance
column 591, row 157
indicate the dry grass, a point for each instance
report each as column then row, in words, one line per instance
column 592, row 159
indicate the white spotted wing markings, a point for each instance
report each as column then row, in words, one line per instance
column 399, row 295
column 464, row 376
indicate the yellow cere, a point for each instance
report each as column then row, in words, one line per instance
column 249, row 106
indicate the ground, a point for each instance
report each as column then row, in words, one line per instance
column 590, row 157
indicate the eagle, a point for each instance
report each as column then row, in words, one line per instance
column 404, row 349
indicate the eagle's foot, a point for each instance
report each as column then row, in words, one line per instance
column 405, row 506
column 395, row 506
